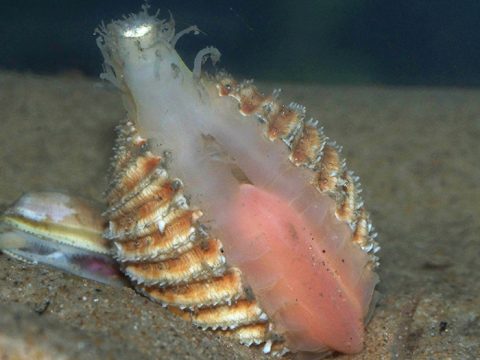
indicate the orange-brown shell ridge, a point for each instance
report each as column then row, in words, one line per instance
column 174, row 261
column 169, row 254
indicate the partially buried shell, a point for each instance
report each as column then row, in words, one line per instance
column 158, row 238
column 61, row 231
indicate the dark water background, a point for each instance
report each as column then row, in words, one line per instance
column 408, row 42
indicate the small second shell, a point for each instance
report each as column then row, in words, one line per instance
column 61, row 231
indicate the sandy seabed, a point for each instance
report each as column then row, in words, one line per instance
column 416, row 150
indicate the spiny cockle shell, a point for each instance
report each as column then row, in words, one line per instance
column 274, row 191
